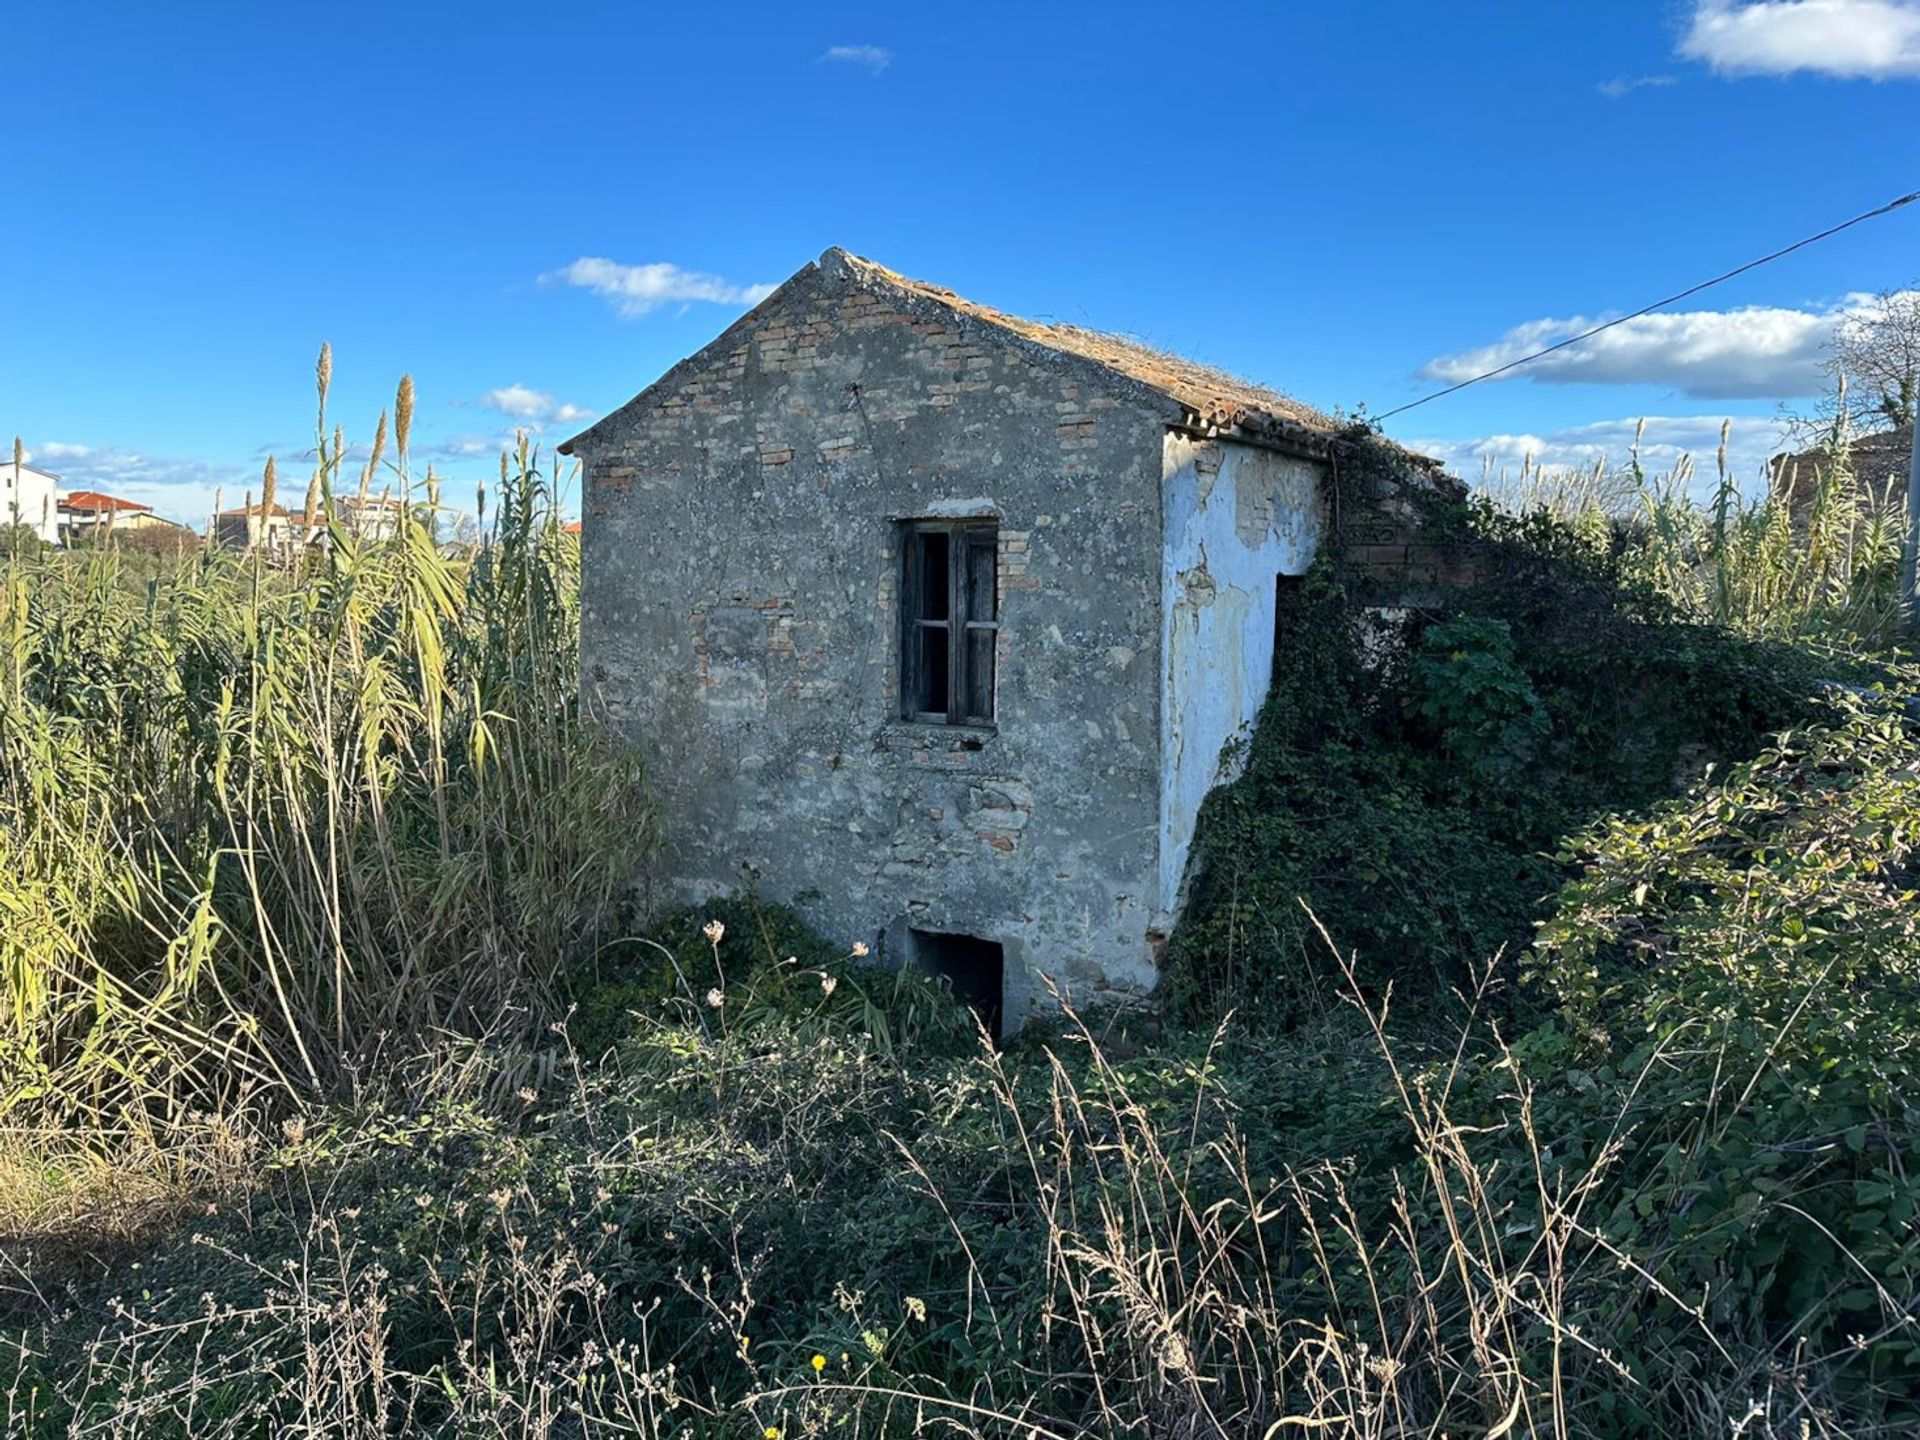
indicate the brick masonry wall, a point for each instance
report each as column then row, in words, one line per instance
column 740, row 623
column 1390, row 553
column 1385, row 547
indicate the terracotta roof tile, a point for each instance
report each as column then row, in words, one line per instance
column 1216, row 399
column 94, row 500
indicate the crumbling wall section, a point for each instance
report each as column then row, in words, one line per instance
column 1237, row 517
column 1398, row 523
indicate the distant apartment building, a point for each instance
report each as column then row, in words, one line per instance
column 284, row 532
column 28, row 496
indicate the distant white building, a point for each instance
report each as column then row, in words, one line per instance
column 372, row 517
column 27, row 497
column 278, row 531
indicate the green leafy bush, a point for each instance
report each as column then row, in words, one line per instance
column 1465, row 685
column 766, row 966
column 1739, row 973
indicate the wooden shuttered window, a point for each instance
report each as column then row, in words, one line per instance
column 950, row 620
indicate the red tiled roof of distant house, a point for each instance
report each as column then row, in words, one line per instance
column 94, row 500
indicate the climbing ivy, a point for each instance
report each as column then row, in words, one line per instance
column 1414, row 774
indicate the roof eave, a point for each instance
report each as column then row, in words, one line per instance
column 1266, row 432
column 1290, row 437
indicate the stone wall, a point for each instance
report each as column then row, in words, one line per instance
column 741, row 560
column 1392, row 556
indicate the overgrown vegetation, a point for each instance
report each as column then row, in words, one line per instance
column 1540, row 1056
column 1414, row 773
column 257, row 824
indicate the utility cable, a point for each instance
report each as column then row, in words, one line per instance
column 1875, row 214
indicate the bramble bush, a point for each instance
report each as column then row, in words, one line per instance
column 1738, row 975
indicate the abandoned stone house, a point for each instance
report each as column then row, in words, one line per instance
column 938, row 623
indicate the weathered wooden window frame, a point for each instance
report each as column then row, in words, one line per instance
column 970, row 697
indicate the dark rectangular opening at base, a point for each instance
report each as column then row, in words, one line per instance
column 975, row 969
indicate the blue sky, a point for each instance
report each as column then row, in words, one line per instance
column 1345, row 201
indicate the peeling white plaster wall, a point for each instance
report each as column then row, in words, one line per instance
column 1236, row 517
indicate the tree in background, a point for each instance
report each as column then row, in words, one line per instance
column 1873, row 369
column 1878, row 351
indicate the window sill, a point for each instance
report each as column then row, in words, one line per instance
column 921, row 734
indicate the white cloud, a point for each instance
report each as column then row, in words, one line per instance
column 536, row 407
column 180, row 489
column 1763, row 352
column 1847, row 39
column 875, row 57
column 472, row 447
column 1622, row 86
column 636, row 290
column 454, row 454
column 53, row 452
column 1665, row 440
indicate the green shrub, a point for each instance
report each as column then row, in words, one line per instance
column 765, row 966
column 20, row 540
column 1736, row 981
column 1465, row 685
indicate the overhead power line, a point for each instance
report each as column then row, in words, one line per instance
column 1832, row 230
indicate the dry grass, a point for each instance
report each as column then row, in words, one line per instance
column 1105, row 1256
column 81, row 1205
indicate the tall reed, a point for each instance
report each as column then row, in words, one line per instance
column 270, row 812
column 1813, row 556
